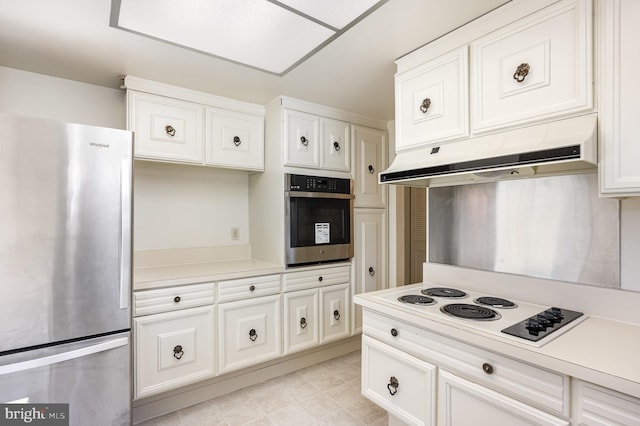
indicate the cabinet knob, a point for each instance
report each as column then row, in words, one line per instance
column 253, row 334
column 320, row 279
column 394, row 332
column 303, row 322
column 170, row 130
column 336, row 314
column 424, row 106
column 236, row 141
column 521, row 72
column 371, row 169
column 178, row 352
column 304, row 141
column 372, row 271
column 252, row 288
column 487, row 368
column 177, row 299
column 392, row 387
column 336, row 145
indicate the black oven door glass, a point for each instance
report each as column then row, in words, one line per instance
column 308, row 219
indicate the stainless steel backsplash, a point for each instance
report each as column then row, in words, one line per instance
column 551, row 227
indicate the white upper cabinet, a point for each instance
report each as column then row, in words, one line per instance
column 432, row 101
column 619, row 44
column 316, row 142
column 535, row 68
column 166, row 129
column 371, row 159
column 234, row 139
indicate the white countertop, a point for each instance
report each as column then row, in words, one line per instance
column 601, row 351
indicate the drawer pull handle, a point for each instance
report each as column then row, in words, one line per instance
column 372, row 271
column 253, row 335
column 170, row 130
column 252, row 288
column 304, row 141
column 178, row 352
column 424, row 106
column 392, row 387
column 336, row 314
column 336, row 146
column 487, row 368
column 394, row 332
column 521, row 72
column 371, row 169
column 236, row 141
column 177, row 299
column 303, row 322
column 320, row 279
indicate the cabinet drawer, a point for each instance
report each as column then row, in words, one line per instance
column 432, row 101
column 335, row 312
column 234, row 140
column 173, row 349
column 535, row 385
column 249, row 332
column 166, row 128
column 301, row 328
column 301, row 280
column 248, row 287
column 401, row 384
column 148, row 302
column 597, row 406
column 538, row 67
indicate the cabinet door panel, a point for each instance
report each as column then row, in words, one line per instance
column 401, row 384
column 336, row 145
column 462, row 403
column 249, row 332
column 334, row 312
column 302, row 139
column 432, row 101
column 371, row 159
column 597, row 406
column 173, row 349
column 538, row 67
column 301, row 328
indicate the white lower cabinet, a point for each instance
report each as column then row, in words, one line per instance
column 464, row 403
column 173, row 349
column 248, row 332
column 334, row 312
column 301, row 327
column 403, row 385
column 598, row 406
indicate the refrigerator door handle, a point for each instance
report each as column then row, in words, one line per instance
column 125, row 233
column 64, row 356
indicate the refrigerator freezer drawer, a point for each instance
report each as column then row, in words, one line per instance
column 92, row 376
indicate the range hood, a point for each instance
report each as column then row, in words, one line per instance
column 558, row 147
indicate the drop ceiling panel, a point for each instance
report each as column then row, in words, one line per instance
column 257, row 33
column 337, row 13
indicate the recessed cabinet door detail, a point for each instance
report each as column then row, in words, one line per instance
column 336, row 146
column 302, row 137
column 536, row 68
column 234, row 140
column 461, row 402
column 249, row 332
column 166, row 128
column 371, row 159
column 301, row 328
column 173, row 349
column 401, row 384
column 432, row 101
column 335, row 311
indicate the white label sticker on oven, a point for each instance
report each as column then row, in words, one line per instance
column 322, row 233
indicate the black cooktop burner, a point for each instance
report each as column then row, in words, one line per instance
column 416, row 299
column 444, row 292
column 468, row 311
column 495, row 302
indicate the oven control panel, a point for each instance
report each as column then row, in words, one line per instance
column 303, row 183
column 538, row 326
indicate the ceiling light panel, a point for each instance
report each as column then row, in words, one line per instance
column 336, row 13
column 257, row 33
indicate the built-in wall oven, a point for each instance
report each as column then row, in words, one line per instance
column 318, row 219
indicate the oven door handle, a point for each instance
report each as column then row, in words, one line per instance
column 301, row 194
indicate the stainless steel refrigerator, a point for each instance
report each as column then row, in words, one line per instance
column 65, row 267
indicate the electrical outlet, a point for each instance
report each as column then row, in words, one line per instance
column 235, row 233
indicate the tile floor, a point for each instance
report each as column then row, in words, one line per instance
column 324, row 394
